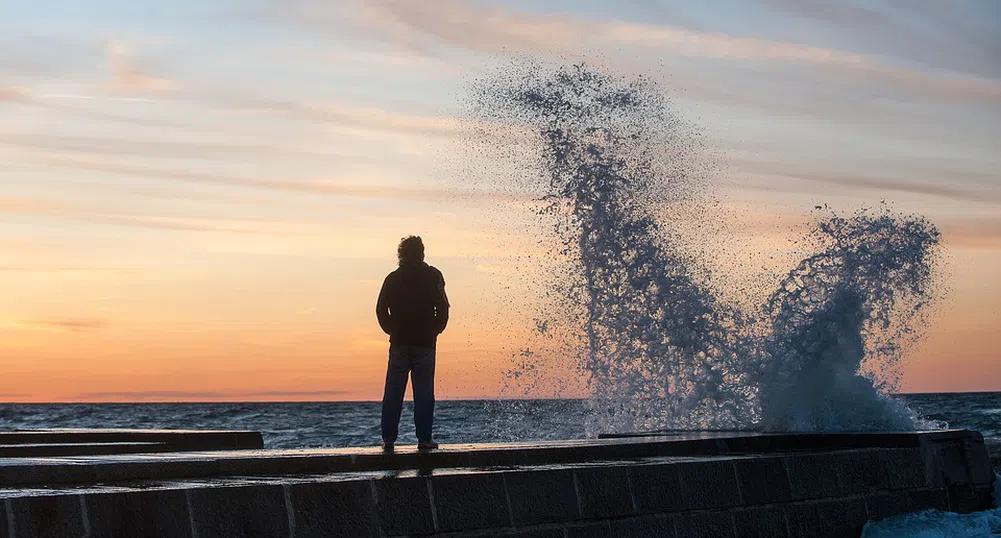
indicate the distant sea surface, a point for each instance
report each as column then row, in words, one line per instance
column 347, row 424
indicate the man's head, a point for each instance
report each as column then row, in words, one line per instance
column 411, row 250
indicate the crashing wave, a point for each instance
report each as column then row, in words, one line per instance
column 634, row 312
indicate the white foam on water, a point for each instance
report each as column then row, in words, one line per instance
column 633, row 311
column 938, row 524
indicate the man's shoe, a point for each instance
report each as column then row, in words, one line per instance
column 388, row 447
column 430, row 445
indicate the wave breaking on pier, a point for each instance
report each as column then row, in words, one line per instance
column 629, row 307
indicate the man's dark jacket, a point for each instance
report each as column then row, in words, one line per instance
column 412, row 306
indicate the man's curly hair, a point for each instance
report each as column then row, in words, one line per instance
column 411, row 250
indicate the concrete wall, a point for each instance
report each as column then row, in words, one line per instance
column 813, row 494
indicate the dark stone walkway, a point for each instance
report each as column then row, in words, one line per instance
column 689, row 485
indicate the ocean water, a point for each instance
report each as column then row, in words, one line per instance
column 315, row 424
column 348, row 424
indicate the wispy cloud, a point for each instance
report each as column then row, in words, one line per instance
column 189, row 224
column 842, row 13
column 31, row 206
column 974, row 233
column 60, row 209
column 964, row 191
column 465, row 25
column 170, row 148
column 474, row 27
column 717, row 45
column 151, row 395
column 953, row 36
column 293, row 393
column 65, row 269
column 209, row 395
column 942, row 190
column 375, row 61
column 328, row 187
column 338, row 114
column 65, row 324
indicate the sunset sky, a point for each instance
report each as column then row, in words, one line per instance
column 199, row 199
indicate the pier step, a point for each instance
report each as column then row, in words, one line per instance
column 48, row 443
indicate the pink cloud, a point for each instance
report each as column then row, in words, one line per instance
column 128, row 76
column 14, row 94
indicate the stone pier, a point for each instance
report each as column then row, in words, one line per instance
column 638, row 485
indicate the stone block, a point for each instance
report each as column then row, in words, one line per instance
column 762, row 481
column 709, row 484
column 603, row 492
column 903, row 468
column 813, row 476
column 970, row 498
column 334, row 509
column 993, row 447
column 41, row 443
column 947, row 461
column 55, row 516
column 4, row 528
column 705, row 525
column 842, row 517
column 139, row 514
column 542, row 496
column 923, row 499
column 532, row 533
column 589, row 530
column 404, row 506
column 760, row 522
column 657, row 489
column 860, row 472
column 978, row 462
column 82, row 449
column 470, row 501
column 239, row 512
column 803, row 519
column 547, row 532
column 884, row 505
column 25, row 475
column 658, row 526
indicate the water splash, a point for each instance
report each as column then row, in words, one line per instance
column 636, row 316
column 840, row 321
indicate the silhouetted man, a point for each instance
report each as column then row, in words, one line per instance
column 413, row 311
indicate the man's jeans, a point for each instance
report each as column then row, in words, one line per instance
column 418, row 362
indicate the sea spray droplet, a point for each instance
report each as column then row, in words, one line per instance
column 635, row 315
